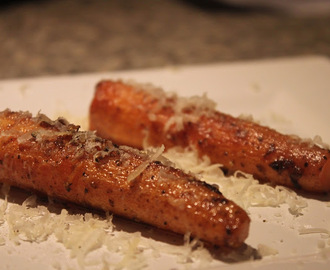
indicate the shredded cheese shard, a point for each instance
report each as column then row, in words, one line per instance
column 312, row 230
column 146, row 163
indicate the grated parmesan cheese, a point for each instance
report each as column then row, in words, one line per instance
column 242, row 188
column 84, row 234
column 181, row 106
column 312, row 230
column 145, row 164
column 4, row 190
column 265, row 250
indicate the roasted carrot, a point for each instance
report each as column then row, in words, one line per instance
column 55, row 158
column 132, row 114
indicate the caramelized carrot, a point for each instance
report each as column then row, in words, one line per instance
column 55, row 158
column 133, row 114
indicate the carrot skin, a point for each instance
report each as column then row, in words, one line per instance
column 56, row 159
column 129, row 114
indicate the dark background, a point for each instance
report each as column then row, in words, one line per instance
column 50, row 37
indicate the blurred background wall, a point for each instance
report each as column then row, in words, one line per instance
column 50, row 37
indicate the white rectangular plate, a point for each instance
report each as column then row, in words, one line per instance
column 291, row 95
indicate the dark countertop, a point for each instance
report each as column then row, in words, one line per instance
column 50, row 37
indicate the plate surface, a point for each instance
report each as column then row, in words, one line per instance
column 291, row 95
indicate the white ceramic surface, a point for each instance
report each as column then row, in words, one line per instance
column 291, row 95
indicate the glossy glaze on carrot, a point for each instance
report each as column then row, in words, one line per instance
column 133, row 114
column 55, row 158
